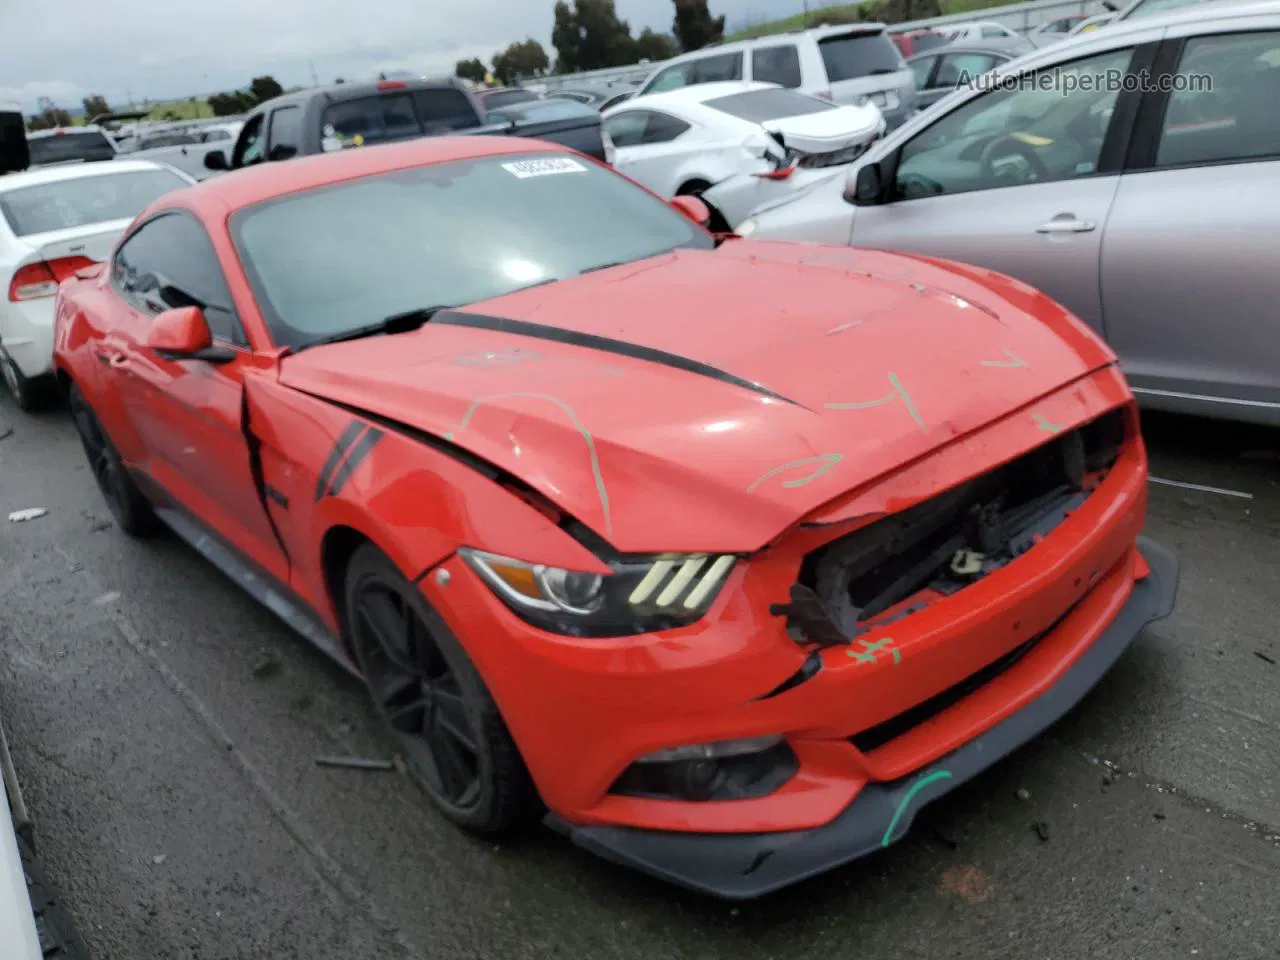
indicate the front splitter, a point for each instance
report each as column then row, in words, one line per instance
column 740, row 866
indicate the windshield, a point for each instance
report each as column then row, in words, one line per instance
column 61, row 147
column 855, row 55
column 401, row 116
column 88, row 200
column 167, row 140
column 541, row 111
column 758, row 106
column 928, row 41
column 504, row 98
column 337, row 258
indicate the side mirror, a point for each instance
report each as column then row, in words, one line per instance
column 215, row 160
column 183, row 334
column 865, row 186
column 693, row 208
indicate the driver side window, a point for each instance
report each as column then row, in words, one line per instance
column 252, row 145
column 170, row 262
column 1048, row 125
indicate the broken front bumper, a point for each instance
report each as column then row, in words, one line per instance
column 744, row 866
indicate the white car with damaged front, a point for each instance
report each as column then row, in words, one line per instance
column 54, row 221
column 737, row 145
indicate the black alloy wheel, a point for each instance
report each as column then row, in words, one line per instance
column 131, row 510
column 433, row 702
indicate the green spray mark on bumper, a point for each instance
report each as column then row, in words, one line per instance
column 906, row 802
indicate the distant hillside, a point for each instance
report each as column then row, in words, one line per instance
column 849, row 12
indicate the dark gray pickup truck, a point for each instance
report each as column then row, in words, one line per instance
column 353, row 115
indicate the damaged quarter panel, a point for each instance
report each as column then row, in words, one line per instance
column 327, row 467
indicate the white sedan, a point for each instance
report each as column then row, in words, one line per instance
column 53, row 222
column 736, row 145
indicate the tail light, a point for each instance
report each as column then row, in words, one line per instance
column 782, row 173
column 35, row 281
column 391, row 85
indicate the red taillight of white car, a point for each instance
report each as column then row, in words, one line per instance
column 36, row 281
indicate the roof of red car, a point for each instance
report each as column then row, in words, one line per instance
column 250, row 185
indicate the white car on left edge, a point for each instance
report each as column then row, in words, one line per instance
column 54, row 221
column 736, row 144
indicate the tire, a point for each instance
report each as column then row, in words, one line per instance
column 433, row 702
column 59, row 936
column 30, row 395
column 131, row 510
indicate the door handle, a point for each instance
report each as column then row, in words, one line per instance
column 118, row 360
column 1067, row 225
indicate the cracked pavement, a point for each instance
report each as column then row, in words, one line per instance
column 165, row 729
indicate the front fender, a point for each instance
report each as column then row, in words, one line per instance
column 326, row 466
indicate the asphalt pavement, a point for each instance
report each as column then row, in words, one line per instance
column 165, row 729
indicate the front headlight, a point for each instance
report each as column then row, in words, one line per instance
column 746, row 228
column 637, row 596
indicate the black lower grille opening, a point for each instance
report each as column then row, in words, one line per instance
column 740, row 777
column 896, row 726
column 959, row 536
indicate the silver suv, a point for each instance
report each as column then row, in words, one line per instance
column 849, row 64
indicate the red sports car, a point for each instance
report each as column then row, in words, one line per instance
column 723, row 555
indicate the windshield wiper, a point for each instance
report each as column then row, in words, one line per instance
column 396, row 323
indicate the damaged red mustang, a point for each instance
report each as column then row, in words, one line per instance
column 723, row 556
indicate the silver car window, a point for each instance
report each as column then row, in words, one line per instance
column 1222, row 107
column 1048, row 126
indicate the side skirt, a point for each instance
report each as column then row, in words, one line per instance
column 262, row 586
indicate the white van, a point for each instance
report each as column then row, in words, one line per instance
column 853, row 64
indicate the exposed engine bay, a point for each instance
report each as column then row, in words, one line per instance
column 901, row 564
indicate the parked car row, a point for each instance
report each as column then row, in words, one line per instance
column 736, row 144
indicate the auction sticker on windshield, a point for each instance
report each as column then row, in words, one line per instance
column 542, row 168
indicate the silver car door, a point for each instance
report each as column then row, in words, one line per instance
column 1017, row 179
column 1188, row 272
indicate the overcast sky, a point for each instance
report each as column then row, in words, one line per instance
column 165, row 49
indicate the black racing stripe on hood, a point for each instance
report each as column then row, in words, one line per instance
column 622, row 348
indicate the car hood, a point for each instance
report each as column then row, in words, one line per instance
column 708, row 400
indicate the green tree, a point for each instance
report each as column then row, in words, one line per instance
column 590, row 36
column 49, row 115
column 95, row 104
column 656, row 46
column 263, row 89
column 473, row 70
column 694, row 26
column 230, row 104
column 524, row 59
